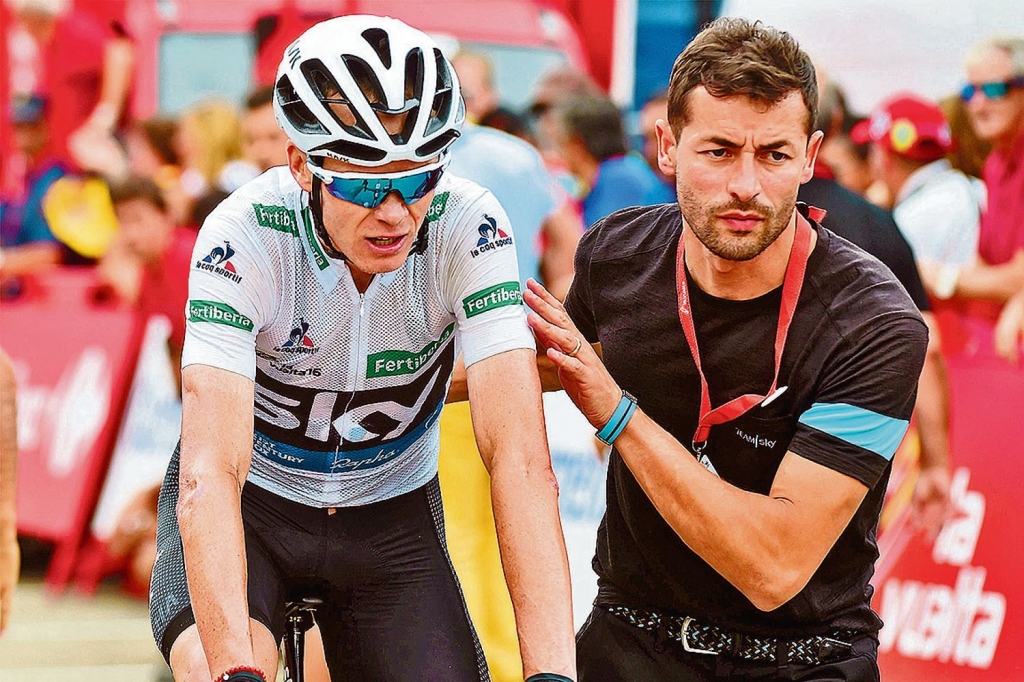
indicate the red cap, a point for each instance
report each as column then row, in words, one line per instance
column 909, row 126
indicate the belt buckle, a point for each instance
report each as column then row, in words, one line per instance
column 684, row 639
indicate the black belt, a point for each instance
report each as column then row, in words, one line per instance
column 703, row 638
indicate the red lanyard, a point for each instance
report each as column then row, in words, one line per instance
column 792, row 284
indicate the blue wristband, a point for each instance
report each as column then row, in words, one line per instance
column 548, row 677
column 620, row 417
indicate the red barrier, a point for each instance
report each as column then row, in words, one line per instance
column 73, row 359
column 952, row 609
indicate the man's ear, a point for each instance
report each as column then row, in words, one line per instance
column 666, row 147
column 297, row 165
column 813, row 147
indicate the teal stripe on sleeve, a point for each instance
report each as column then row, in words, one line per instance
column 855, row 425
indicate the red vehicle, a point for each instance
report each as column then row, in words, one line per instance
column 190, row 49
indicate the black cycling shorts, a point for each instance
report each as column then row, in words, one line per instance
column 393, row 608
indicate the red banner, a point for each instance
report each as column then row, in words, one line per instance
column 953, row 608
column 73, row 359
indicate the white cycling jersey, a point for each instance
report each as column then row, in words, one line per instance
column 349, row 386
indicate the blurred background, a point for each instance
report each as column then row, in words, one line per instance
column 123, row 123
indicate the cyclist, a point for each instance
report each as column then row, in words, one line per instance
column 328, row 302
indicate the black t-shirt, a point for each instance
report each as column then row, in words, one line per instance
column 870, row 227
column 855, row 350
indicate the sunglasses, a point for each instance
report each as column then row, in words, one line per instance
column 993, row 90
column 369, row 190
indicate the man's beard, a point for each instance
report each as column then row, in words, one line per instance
column 701, row 219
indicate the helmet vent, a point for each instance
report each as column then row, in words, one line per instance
column 441, row 107
column 378, row 40
column 437, row 144
column 333, row 98
column 295, row 110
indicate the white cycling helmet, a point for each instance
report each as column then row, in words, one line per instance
column 341, row 75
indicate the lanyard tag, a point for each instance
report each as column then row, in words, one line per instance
column 779, row 391
column 706, row 463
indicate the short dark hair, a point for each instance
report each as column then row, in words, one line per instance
column 159, row 133
column 260, row 97
column 596, row 123
column 137, row 187
column 733, row 56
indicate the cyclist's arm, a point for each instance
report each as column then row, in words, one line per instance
column 459, row 389
column 216, row 449
column 504, row 393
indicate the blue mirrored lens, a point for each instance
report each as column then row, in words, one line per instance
column 371, row 192
column 991, row 90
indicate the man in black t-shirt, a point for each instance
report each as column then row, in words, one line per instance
column 774, row 367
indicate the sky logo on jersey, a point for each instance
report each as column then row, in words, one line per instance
column 498, row 296
column 276, row 218
column 392, row 363
column 218, row 313
column 437, row 206
column 298, row 341
column 219, row 261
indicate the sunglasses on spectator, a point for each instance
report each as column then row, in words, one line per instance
column 369, row 190
column 993, row 90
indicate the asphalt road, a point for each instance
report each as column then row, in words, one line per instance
column 76, row 638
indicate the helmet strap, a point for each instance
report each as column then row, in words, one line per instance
column 419, row 245
column 316, row 210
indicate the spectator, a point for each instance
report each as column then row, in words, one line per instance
column 25, row 236
column 936, row 206
column 10, row 555
column 84, row 67
column 555, row 87
column 969, row 151
column 209, row 145
column 149, row 262
column 263, row 141
column 873, row 229
column 592, row 141
column 150, row 148
column 846, row 160
column 995, row 103
column 654, row 110
column 483, row 101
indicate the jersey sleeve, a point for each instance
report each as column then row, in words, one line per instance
column 229, row 297
column 863, row 407
column 479, row 281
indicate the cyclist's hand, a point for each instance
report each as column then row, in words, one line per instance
column 583, row 375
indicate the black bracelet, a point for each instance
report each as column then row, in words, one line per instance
column 548, row 677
